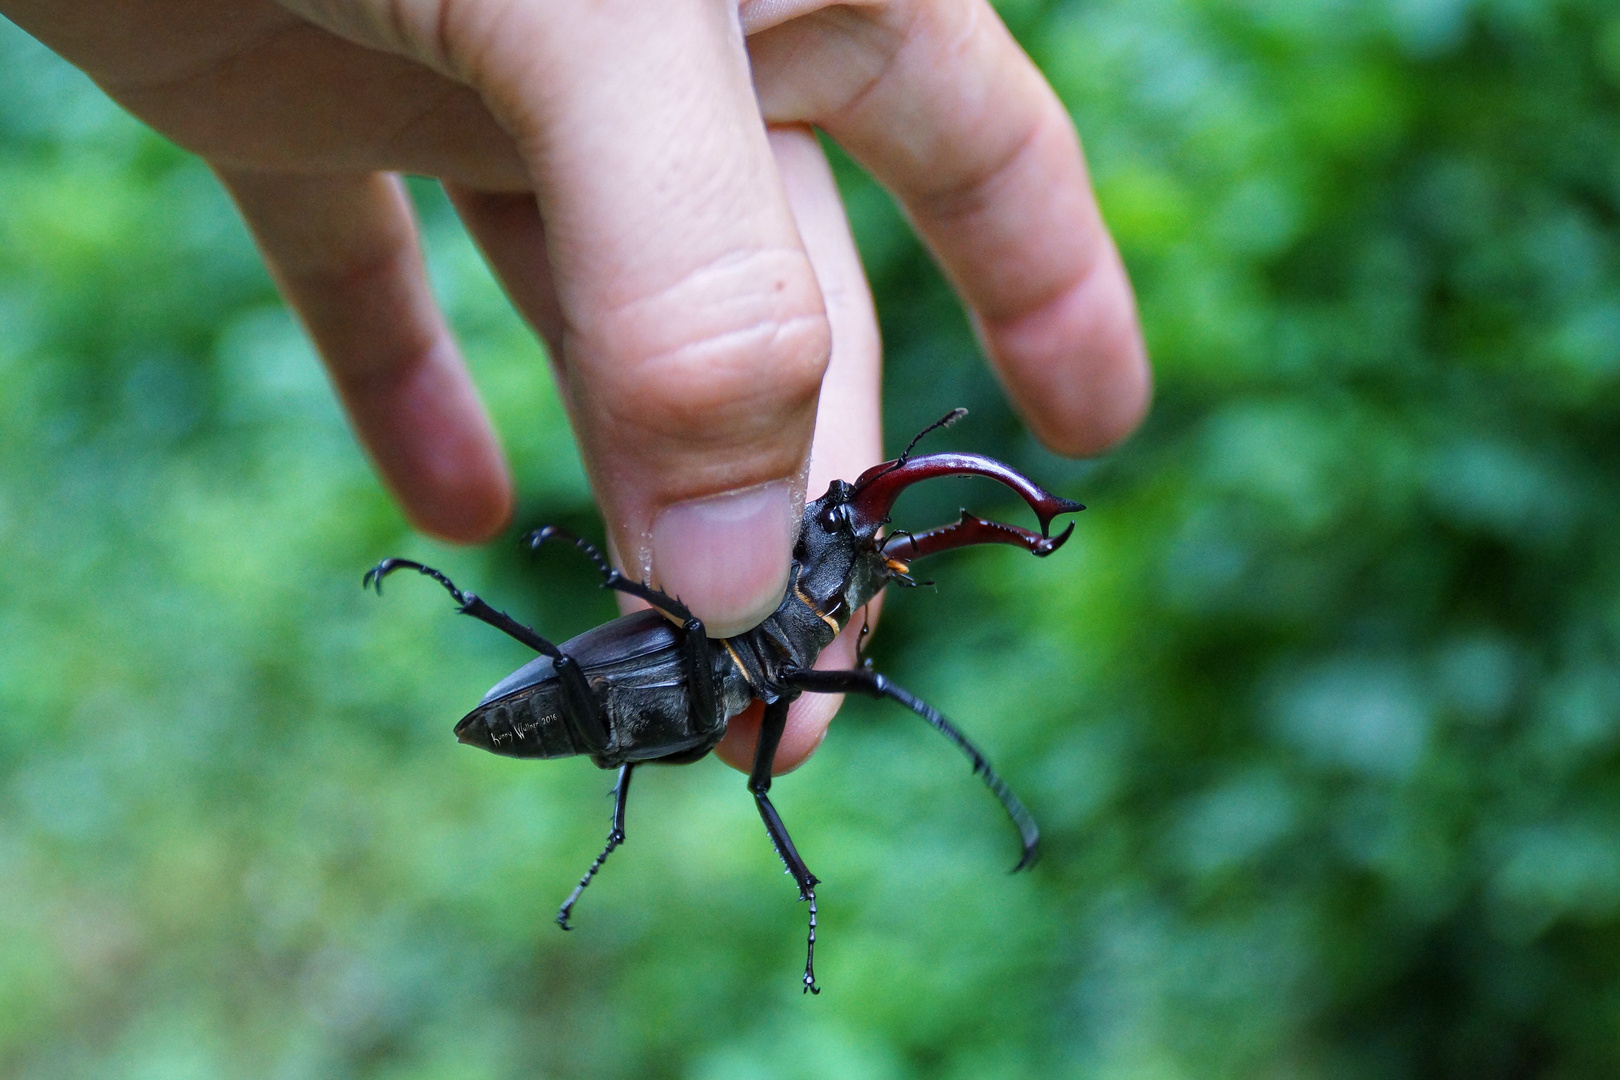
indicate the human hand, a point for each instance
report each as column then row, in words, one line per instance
column 611, row 162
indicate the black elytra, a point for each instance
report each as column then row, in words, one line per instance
column 653, row 686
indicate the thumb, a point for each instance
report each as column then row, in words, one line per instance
column 693, row 332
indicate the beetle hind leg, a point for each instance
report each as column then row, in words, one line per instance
column 615, row 838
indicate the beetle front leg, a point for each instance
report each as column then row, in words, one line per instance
column 866, row 681
column 615, row 838
column 759, row 782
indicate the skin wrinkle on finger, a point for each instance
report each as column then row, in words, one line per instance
column 757, row 16
column 886, row 117
column 391, row 142
column 97, row 37
column 1077, row 410
column 977, row 225
column 428, row 21
column 707, row 386
column 390, row 115
column 1003, row 278
column 659, row 170
column 733, row 290
column 418, row 29
column 706, row 395
column 320, row 263
column 711, row 230
column 827, row 62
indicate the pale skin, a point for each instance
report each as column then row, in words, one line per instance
column 642, row 178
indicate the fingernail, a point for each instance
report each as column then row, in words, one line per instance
column 726, row 556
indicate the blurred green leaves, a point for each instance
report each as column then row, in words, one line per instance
column 1319, row 708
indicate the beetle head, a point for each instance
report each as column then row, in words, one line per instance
column 834, row 550
column 844, row 557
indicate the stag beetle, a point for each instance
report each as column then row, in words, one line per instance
column 653, row 687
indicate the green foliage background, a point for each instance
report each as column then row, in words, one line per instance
column 1320, row 709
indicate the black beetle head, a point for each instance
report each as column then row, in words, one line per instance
column 845, row 559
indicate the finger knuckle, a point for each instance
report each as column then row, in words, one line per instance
column 760, row 371
column 737, row 362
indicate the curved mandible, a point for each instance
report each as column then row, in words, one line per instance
column 970, row 529
column 878, row 487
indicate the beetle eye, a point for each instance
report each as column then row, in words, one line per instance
column 831, row 517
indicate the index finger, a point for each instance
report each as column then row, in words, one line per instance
column 939, row 102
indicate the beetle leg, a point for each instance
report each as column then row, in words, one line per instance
column 694, row 638
column 611, row 578
column 664, row 602
column 759, row 782
column 866, row 681
column 579, row 701
column 695, row 648
column 470, row 604
column 557, row 532
column 615, row 838
column 700, row 680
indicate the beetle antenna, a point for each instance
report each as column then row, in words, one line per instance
column 943, row 422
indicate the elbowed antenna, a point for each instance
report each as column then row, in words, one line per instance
column 905, row 455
